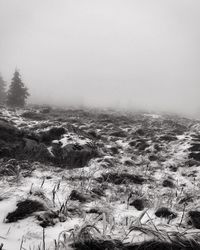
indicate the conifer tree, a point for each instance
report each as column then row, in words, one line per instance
column 17, row 92
column 2, row 91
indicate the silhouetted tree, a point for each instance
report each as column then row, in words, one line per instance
column 17, row 92
column 2, row 91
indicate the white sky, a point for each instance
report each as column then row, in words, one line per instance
column 127, row 53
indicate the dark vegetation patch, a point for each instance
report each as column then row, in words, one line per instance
column 12, row 167
column 94, row 134
column 94, row 210
column 194, row 218
column 109, row 162
column 174, row 125
column 99, row 244
column 141, row 144
column 10, row 139
column 50, row 218
column 187, row 199
column 77, row 196
column 119, row 133
column 195, row 147
column 114, row 150
column 14, row 143
column 168, row 138
column 25, row 209
column 132, row 143
column 46, row 110
column 191, row 162
column 35, row 151
column 173, row 168
column 98, row 191
column 157, row 147
column 73, row 210
column 120, row 178
column 54, row 133
column 139, row 204
column 164, row 212
column 195, row 156
column 168, row 183
column 8, row 170
column 95, row 193
column 128, row 163
column 32, row 115
column 8, row 132
column 153, row 157
column 78, row 156
column 140, row 132
column 77, row 178
column 21, row 144
column 159, row 245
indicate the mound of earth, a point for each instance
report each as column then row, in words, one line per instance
column 24, row 144
column 77, row 156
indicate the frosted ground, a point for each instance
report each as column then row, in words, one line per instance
column 127, row 177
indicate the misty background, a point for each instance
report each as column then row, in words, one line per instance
column 119, row 53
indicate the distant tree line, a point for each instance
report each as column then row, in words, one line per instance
column 17, row 92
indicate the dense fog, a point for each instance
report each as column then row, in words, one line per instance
column 124, row 54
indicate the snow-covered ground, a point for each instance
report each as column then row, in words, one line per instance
column 141, row 158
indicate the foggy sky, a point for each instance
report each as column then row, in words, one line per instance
column 120, row 53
